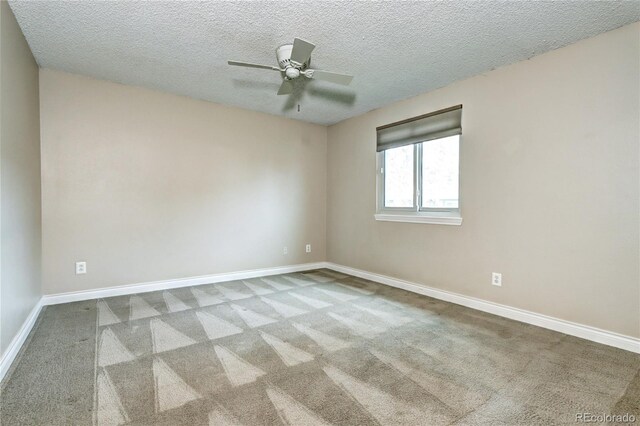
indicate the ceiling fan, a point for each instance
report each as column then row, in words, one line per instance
column 294, row 60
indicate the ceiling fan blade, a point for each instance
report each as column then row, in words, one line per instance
column 286, row 88
column 301, row 51
column 248, row 65
column 330, row 76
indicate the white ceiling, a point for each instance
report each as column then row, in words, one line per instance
column 394, row 49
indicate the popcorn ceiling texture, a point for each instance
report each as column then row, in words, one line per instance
column 395, row 50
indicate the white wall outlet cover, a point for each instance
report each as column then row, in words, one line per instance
column 308, row 248
column 81, row 268
column 496, row 279
column 285, row 250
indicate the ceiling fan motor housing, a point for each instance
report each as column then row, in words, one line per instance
column 283, row 54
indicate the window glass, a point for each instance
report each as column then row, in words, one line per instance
column 398, row 176
column 440, row 173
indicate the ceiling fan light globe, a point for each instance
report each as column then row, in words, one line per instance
column 292, row 73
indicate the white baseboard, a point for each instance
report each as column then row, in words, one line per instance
column 16, row 344
column 628, row 343
column 75, row 296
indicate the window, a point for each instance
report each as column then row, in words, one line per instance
column 418, row 169
column 439, row 173
column 399, row 180
column 421, row 177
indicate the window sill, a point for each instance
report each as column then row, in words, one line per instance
column 415, row 218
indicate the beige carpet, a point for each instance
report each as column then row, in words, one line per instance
column 306, row 349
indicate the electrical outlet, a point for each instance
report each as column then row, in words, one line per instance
column 285, row 250
column 81, row 268
column 308, row 248
column 496, row 279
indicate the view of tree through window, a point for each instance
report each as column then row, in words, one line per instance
column 398, row 177
column 440, row 173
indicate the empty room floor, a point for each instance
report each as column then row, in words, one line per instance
column 306, row 349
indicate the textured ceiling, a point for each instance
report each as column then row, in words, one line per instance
column 394, row 49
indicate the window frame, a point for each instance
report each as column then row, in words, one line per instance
column 416, row 213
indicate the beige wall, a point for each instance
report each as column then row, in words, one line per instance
column 549, row 188
column 148, row 186
column 20, row 286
